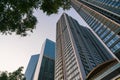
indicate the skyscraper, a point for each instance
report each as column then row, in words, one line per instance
column 78, row 51
column 31, row 67
column 103, row 16
column 44, row 69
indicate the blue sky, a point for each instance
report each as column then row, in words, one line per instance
column 15, row 51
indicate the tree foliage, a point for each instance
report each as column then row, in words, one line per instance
column 52, row 6
column 17, row 15
column 16, row 75
column 4, row 76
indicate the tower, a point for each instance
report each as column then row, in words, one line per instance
column 31, row 67
column 41, row 67
column 103, row 16
column 78, row 51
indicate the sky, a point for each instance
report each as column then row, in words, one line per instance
column 15, row 51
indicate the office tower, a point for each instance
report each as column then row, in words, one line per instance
column 31, row 67
column 45, row 66
column 103, row 16
column 78, row 51
column 44, row 69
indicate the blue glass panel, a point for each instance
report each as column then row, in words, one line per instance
column 31, row 67
column 49, row 49
column 107, row 30
column 116, row 47
column 112, row 41
column 108, row 37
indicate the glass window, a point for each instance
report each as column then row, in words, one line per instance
column 118, row 4
column 105, row 1
column 116, row 47
column 108, row 2
column 114, row 4
column 106, row 31
column 95, row 22
column 108, row 37
column 112, row 41
column 111, row 2
column 92, row 22
column 89, row 19
column 98, row 28
column 99, row 31
column 97, row 25
column 103, row 28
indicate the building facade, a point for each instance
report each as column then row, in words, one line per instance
column 103, row 16
column 48, row 60
column 31, row 67
column 109, row 70
column 44, row 68
column 78, row 51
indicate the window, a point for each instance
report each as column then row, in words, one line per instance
column 97, row 25
column 92, row 22
column 106, row 31
column 112, row 41
column 98, row 28
column 99, row 31
column 108, row 36
column 116, row 47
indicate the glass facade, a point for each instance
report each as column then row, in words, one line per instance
column 78, row 51
column 42, row 67
column 31, row 67
column 47, row 69
column 110, row 10
column 102, row 23
column 49, row 49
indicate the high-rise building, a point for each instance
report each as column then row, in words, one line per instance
column 31, row 67
column 78, row 51
column 42, row 68
column 103, row 16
